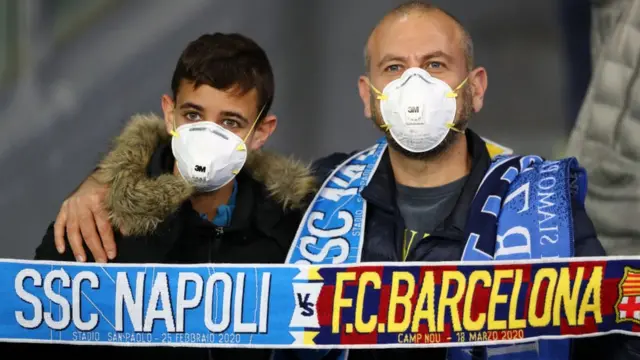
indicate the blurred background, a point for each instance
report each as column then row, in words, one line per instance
column 73, row 71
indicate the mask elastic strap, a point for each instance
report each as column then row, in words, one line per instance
column 454, row 92
column 255, row 122
column 243, row 146
column 173, row 131
column 453, row 127
column 380, row 96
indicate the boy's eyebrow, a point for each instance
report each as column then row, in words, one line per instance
column 190, row 105
column 234, row 114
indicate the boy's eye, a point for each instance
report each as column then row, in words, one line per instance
column 193, row 116
column 230, row 123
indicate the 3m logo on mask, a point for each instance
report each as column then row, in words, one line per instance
column 413, row 109
column 414, row 114
column 200, row 168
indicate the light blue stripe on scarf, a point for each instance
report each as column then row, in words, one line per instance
column 522, row 210
column 332, row 230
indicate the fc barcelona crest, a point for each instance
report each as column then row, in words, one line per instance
column 628, row 304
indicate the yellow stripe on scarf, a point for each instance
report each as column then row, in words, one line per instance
column 496, row 149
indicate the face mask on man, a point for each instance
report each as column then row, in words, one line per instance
column 208, row 155
column 418, row 110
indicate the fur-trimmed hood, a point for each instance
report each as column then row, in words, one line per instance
column 137, row 203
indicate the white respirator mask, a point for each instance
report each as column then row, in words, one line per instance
column 418, row 110
column 208, row 156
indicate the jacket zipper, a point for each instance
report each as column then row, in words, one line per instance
column 217, row 241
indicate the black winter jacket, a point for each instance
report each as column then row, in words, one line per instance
column 152, row 204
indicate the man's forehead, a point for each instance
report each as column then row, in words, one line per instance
column 416, row 33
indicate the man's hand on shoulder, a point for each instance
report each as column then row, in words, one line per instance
column 83, row 216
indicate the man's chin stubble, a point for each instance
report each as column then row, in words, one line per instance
column 451, row 138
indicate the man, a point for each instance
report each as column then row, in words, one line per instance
column 177, row 188
column 420, row 190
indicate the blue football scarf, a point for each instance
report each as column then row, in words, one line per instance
column 324, row 299
column 521, row 211
column 372, row 306
column 332, row 229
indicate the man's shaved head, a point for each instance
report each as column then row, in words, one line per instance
column 419, row 7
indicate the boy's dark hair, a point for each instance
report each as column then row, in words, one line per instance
column 224, row 61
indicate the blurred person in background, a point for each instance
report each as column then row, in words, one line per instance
column 178, row 189
column 606, row 138
column 421, row 88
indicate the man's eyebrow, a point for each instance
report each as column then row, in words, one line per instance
column 234, row 114
column 190, row 105
column 437, row 54
column 432, row 55
column 390, row 57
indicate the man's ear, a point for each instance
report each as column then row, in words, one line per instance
column 365, row 95
column 478, row 81
column 167, row 108
column 262, row 131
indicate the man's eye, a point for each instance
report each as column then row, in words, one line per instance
column 393, row 68
column 435, row 65
column 192, row 116
column 230, row 123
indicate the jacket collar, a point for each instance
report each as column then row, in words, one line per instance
column 143, row 191
column 381, row 190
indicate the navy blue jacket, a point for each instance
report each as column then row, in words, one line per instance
column 383, row 242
